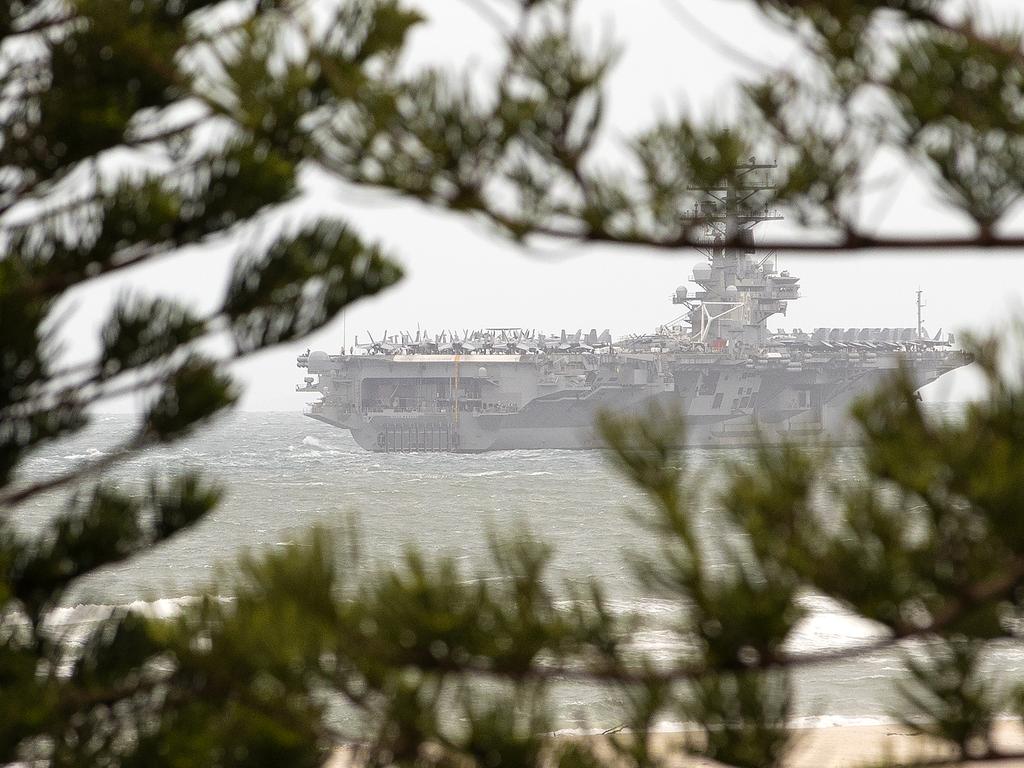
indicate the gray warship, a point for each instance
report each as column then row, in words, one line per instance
column 717, row 363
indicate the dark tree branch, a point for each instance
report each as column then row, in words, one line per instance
column 851, row 242
column 41, row 25
column 706, row 35
column 18, row 495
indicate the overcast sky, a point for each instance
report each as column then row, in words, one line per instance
column 460, row 275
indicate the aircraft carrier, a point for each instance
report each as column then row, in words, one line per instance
column 717, row 362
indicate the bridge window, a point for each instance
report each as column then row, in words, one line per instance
column 708, row 384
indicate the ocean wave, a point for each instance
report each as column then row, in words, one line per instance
column 826, row 627
column 643, row 607
column 314, row 442
column 71, row 621
column 164, row 607
column 829, row 626
column 841, row 721
column 90, row 453
column 73, row 625
column 810, row 722
column 663, row 644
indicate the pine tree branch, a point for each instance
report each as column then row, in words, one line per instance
column 40, row 26
column 16, row 496
column 31, row 406
column 992, row 589
column 26, row 194
column 483, row 9
column 967, row 30
column 36, row 403
column 851, row 241
column 76, row 700
column 704, row 34
column 54, row 284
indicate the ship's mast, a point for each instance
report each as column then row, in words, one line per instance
column 741, row 288
column 920, row 306
column 728, row 214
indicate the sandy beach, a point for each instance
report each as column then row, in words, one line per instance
column 844, row 746
column 841, row 746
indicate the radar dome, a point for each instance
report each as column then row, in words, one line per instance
column 318, row 357
column 681, row 291
column 481, row 372
column 732, row 289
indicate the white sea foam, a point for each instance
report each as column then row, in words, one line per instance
column 74, row 621
column 74, row 624
column 90, row 454
column 314, row 442
column 839, row 721
column 645, row 607
column 659, row 643
column 828, row 627
column 675, row 726
column 90, row 612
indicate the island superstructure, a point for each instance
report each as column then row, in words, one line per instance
column 717, row 363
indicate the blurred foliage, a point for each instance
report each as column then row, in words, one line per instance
column 438, row 666
column 132, row 129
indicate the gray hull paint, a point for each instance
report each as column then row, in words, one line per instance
column 565, row 419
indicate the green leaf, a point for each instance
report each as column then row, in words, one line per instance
column 193, row 393
column 230, row 186
column 743, row 718
column 388, row 27
column 29, row 703
column 300, row 282
column 103, row 528
column 110, row 665
column 19, row 433
column 81, row 110
column 181, row 503
column 142, row 331
column 951, row 696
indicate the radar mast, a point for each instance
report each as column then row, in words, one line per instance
column 741, row 288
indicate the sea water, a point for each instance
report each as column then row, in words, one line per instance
column 284, row 473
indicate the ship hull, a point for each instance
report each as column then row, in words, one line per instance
column 424, row 435
column 724, row 404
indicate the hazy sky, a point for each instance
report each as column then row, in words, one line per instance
column 460, row 275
